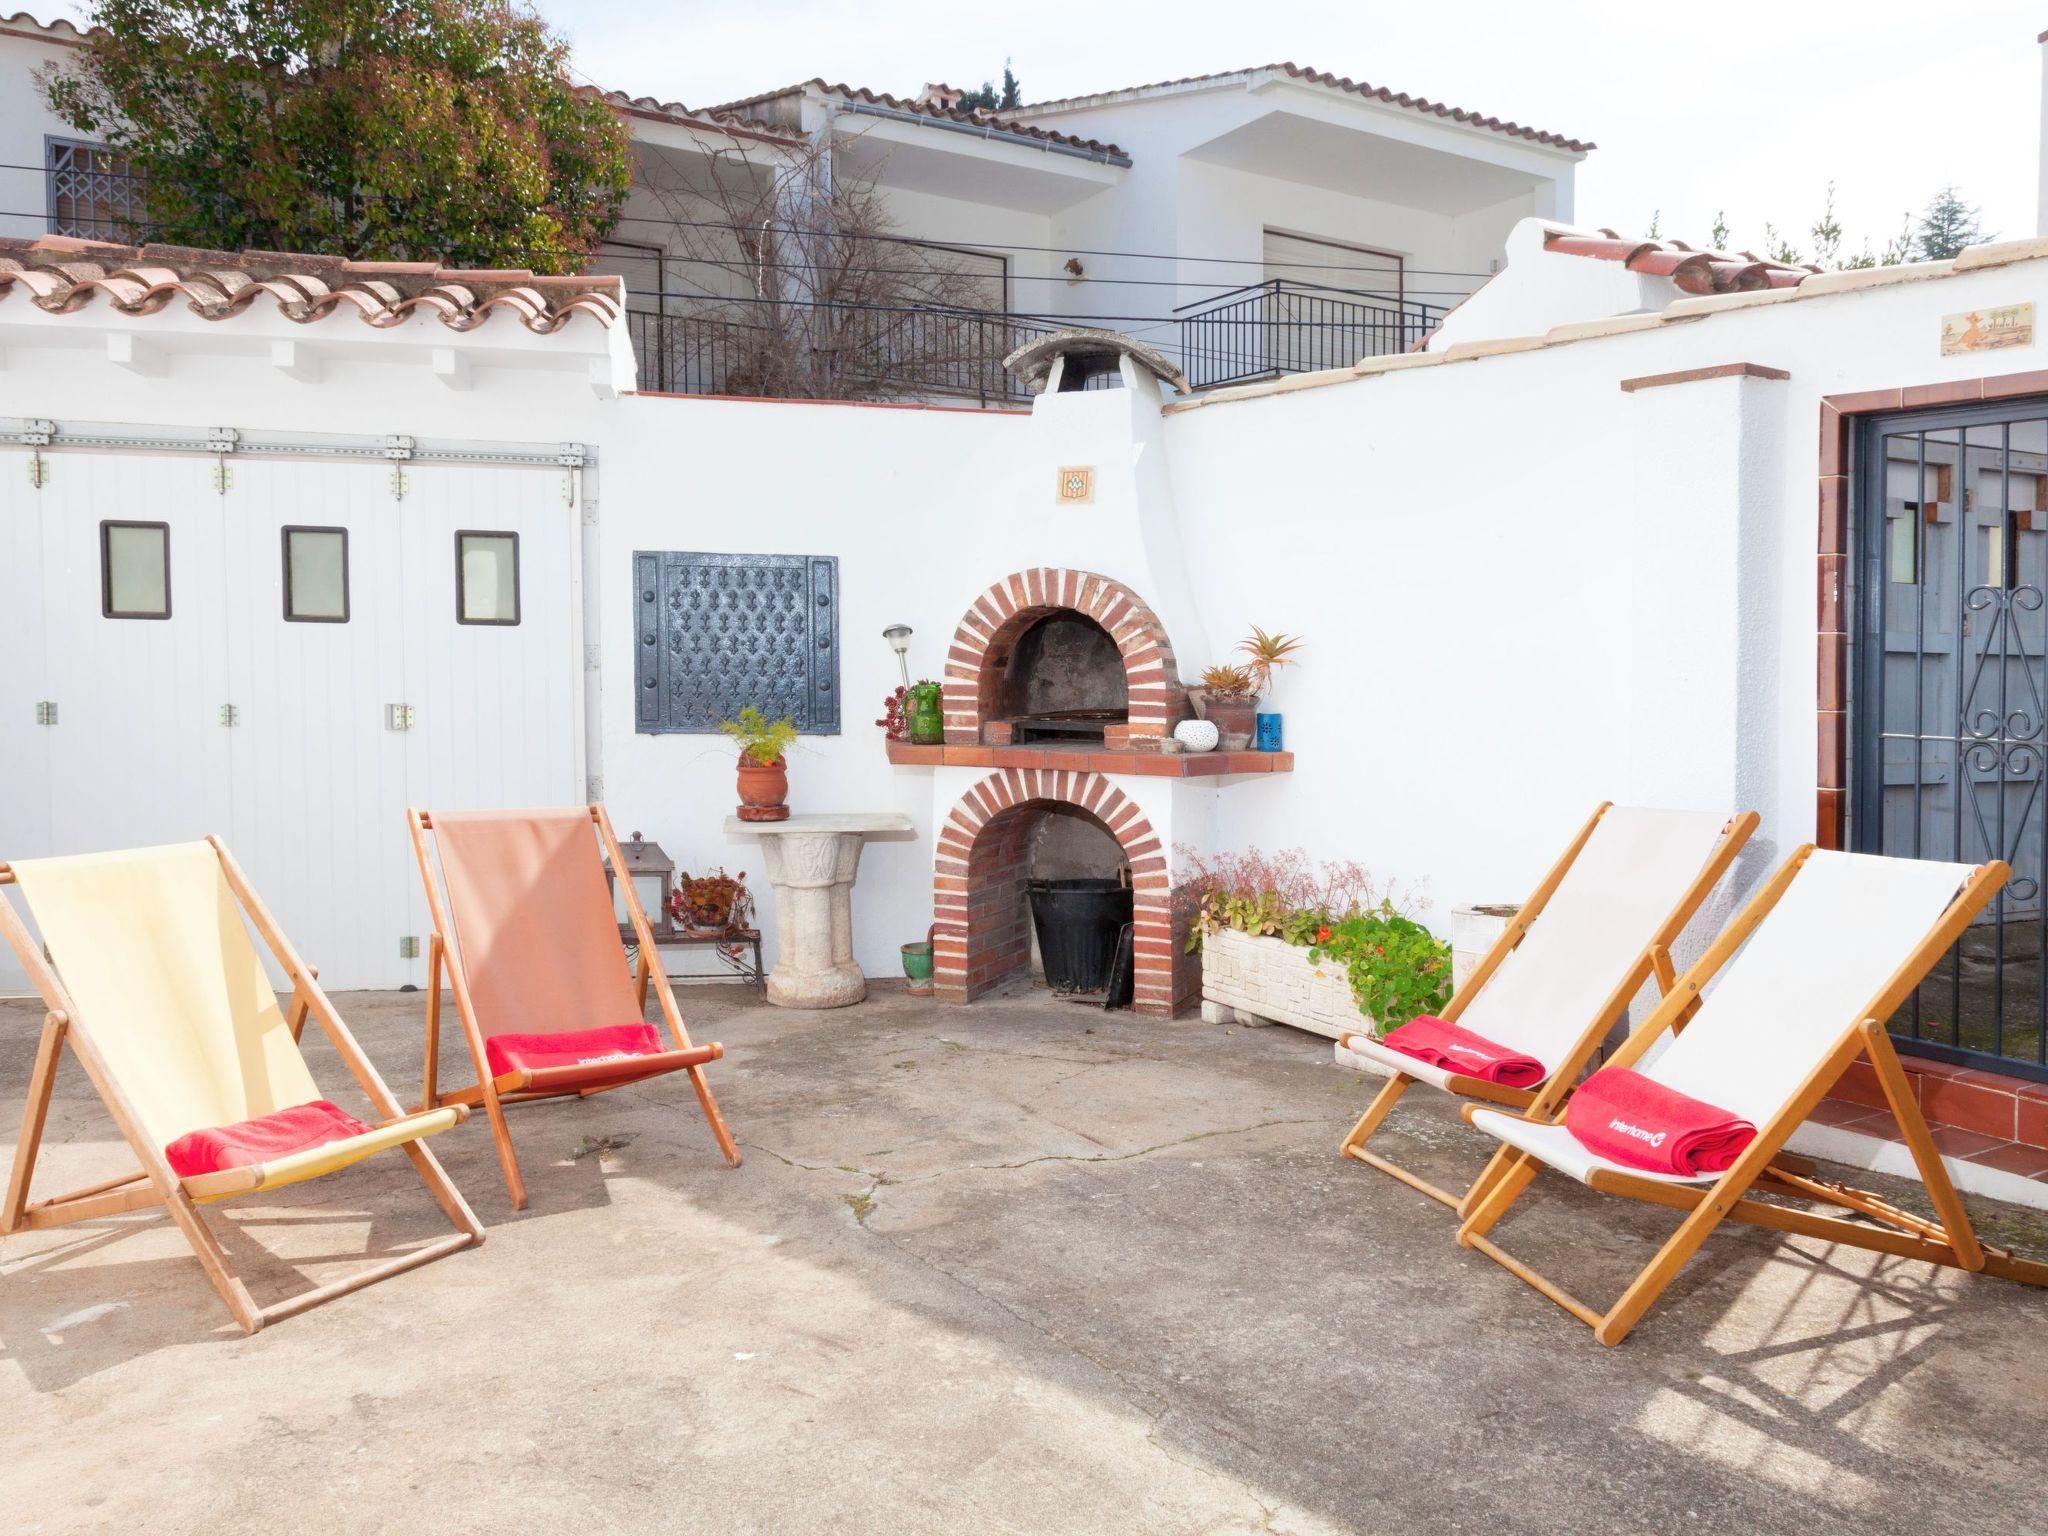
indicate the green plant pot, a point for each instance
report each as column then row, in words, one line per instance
column 921, row 712
column 917, row 966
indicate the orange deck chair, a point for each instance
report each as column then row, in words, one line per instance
column 549, row 1005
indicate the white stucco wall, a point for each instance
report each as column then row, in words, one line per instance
column 1187, row 195
column 1526, row 590
column 24, row 123
column 1523, row 589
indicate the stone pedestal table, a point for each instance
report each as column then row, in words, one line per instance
column 811, row 862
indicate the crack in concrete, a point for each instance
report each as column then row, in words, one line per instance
column 887, row 1181
column 1157, row 1403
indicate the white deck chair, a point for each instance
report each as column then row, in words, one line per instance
column 1836, row 942
column 1563, row 972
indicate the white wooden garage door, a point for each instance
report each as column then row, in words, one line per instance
column 309, row 783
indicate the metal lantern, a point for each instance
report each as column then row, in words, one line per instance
column 653, row 874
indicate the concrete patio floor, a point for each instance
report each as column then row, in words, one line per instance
column 1022, row 1267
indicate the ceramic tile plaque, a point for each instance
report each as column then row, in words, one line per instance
column 715, row 633
column 1987, row 330
column 1077, row 485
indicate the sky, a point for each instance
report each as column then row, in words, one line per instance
column 1698, row 109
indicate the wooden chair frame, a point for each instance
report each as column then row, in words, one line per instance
column 155, row 1183
column 524, row 1085
column 1654, row 962
column 1763, row 1166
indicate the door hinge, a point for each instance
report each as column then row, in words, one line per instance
column 398, row 717
column 223, row 477
column 398, row 482
column 38, row 469
column 230, row 715
column 46, row 712
column 594, row 787
column 590, row 512
column 408, row 946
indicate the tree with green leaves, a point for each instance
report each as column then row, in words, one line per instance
column 991, row 98
column 402, row 130
column 1947, row 226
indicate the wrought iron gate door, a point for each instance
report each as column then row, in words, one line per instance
column 1949, row 701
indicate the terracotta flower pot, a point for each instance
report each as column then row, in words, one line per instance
column 1234, row 720
column 763, row 789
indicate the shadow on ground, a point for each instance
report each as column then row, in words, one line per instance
column 1023, row 1267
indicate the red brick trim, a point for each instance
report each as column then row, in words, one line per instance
column 977, row 885
column 1695, row 375
column 998, row 618
column 2007, row 1109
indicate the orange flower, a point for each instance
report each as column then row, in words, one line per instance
column 1323, row 934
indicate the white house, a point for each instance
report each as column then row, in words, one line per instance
column 1247, row 223
column 1638, row 523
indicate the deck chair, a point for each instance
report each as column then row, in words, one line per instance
column 1835, row 943
column 1565, row 969
column 539, row 970
column 158, row 991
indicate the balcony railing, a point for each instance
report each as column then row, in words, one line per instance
column 698, row 347
column 1280, row 326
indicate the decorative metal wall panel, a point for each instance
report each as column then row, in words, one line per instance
column 715, row 633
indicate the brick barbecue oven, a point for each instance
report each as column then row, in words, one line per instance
column 1062, row 686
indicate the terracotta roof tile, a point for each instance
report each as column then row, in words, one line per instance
column 1694, row 271
column 58, row 29
column 1353, row 87
column 64, row 275
column 716, row 119
column 977, row 116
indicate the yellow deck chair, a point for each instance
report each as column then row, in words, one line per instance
column 158, row 990
column 1808, row 973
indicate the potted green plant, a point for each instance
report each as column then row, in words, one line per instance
column 1267, row 652
column 1230, row 703
column 763, row 768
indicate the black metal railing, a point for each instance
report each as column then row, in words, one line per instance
column 702, row 347
column 1280, row 326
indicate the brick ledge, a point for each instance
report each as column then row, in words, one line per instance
column 1161, row 765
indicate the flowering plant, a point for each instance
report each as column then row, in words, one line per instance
column 892, row 721
column 711, row 903
column 1335, row 910
column 1397, row 967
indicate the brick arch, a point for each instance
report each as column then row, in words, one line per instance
column 997, row 619
column 978, row 884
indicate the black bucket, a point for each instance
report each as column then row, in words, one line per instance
column 1078, row 922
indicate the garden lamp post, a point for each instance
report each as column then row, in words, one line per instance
column 898, row 636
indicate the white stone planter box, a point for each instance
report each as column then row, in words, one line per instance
column 1269, row 981
column 1474, row 932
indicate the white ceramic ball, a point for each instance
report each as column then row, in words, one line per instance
column 1197, row 735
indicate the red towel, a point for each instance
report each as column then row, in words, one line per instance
column 571, row 1048
column 1456, row 1049
column 278, row 1134
column 1626, row 1118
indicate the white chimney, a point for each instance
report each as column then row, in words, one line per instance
column 2041, row 208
